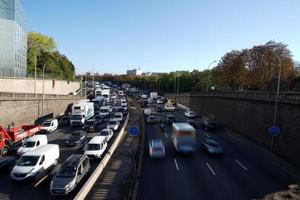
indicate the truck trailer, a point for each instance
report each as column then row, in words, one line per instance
column 81, row 112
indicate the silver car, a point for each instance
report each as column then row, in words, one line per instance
column 69, row 175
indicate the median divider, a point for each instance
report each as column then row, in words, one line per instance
column 97, row 172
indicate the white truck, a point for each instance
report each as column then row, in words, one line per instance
column 81, row 112
column 183, row 137
column 106, row 93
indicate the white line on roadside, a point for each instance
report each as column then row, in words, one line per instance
column 206, row 135
column 166, row 135
column 209, row 167
column 39, row 182
column 176, row 165
column 238, row 162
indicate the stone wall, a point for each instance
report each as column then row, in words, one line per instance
column 27, row 86
column 30, row 111
column 251, row 118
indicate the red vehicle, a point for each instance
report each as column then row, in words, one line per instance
column 12, row 137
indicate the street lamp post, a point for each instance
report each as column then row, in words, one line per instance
column 277, row 95
column 43, row 90
column 207, row 74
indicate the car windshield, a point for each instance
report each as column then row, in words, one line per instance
column 29, row 144
column 76, row 116
column 66, row 171
column 118, row 116
column 104, row 110
column 28, row 161
column 112, row 123
column 90, row 123
column 76, row 134
column 46, row 124
column 93, row 147
column 104, row 132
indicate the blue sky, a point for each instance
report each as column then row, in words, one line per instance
column 111, row 36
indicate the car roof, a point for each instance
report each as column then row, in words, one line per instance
column 118, row 113
column 74, row 160
column 37, row 137
column 42, row 149
column 183, row 126
column 157, row 142
column 97, row 139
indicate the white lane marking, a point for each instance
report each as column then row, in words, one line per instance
column 176, row 165
column 206, row 135
column 166, row 135
column 238, row 162
column 40, row 181
column 209, row 167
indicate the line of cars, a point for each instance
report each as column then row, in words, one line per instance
column 38, row 158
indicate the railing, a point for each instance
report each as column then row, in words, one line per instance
column 289, row 96
column 27, row 96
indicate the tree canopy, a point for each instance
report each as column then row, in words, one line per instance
column 42, row 51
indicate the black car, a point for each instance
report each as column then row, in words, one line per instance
column 212, row 147
column 209, row 125
column 77, row 138
column 170, row 119
column 64, row 121
column 7, row 162
column 90, row 126
column 159, row 109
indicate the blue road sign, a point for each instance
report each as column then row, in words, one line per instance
column 133, row 131
column 274, row 131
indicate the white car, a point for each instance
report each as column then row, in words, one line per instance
column 169, row 107
column 159, row 101
column 157, row 148
column 108, row 133
column 96, row 147
column 118, row 116
column 123, row 100
column 49, row 125
column 124, row 103
column 105, row 111
column 113, row 124
column 147, row 111
column 190, row 114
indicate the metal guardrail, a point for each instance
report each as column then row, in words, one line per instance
column 291, row 96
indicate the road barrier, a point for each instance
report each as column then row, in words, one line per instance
column 95, row 175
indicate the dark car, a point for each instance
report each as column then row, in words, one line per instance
column 64, row 121
column 159, row 109
column 77, row 138
column 209, row 125
column 212, row 147
column 90, row 126
column 170, row 119
column 7, row 162
column 98, row 118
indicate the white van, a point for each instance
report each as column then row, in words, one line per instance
column 96, row 147
column 36, row 163
column 32, row 143
column 49, row 125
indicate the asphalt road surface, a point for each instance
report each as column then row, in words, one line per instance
column 40, row 189
column 242, row 173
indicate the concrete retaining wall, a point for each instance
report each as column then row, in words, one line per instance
column 252, row 118
column 27, row 86
column 28, row 111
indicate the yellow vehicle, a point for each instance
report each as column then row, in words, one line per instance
column 171, row 101
column 183, row 137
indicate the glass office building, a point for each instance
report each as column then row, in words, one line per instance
column 13, row 39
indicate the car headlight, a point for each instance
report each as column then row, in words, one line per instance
column 70, row 185
column 31, row 173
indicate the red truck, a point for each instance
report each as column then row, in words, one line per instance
column 12, row 137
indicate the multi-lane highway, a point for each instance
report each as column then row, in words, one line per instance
column 242, row 173
column 40, row 189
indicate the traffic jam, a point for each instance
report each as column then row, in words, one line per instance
column 65, row 149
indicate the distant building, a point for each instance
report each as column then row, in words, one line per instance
column 134, row 72
column 13, row 39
